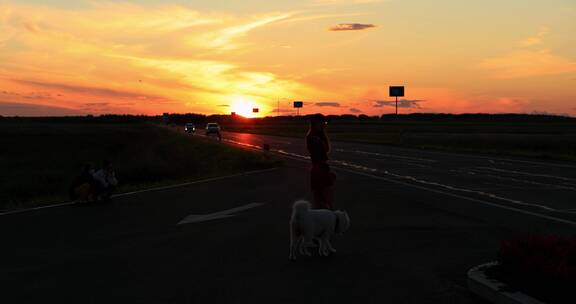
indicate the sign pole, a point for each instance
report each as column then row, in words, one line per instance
column 298, row 105
column 396, row 91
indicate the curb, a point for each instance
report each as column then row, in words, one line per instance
column 489, row 289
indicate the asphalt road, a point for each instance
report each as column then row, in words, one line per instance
column 546, row 188
column 409, row 242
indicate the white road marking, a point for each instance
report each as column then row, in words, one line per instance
column 416, row 180
column 194, row 182
column 243, row 144
column 294, row 155
column 420, row 181
column 528, row 173
column 388, row 155
column 448, row 187
column 551, row 218
column 143, row 190
column 527, row 162
column 557, row 186
column 298, row 157
column 37, row 208
column 196, row 218
column 488, row 158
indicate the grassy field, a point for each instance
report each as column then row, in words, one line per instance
column 39, row 159
column 534, row 139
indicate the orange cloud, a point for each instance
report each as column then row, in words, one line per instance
column 528, row 63
column 155, row 55
column 350, row 27
column 536, row 39
column 346, row 2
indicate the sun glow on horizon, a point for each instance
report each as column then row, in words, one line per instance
column 95, row 57
column 243, row 106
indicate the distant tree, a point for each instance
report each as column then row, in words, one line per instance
column 348, row 117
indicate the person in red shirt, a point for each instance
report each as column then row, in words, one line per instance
column 321, row 177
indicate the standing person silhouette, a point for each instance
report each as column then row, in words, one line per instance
column 321, row 178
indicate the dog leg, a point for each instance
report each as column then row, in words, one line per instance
column 304, row 247
column 321, row 247
column 330, row 246
column 292, row 255
column 294, row 241
column 308, row 241
column 327, row 247
column 300, row 246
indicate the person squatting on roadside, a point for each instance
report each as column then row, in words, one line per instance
column 321, row 177
column 105, row 181
column 82, row 185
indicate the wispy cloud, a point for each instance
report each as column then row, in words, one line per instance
column 536, row 39
column 527, row 63
column 106, row 92
column 223, row 39
column 96, row 104
column 355, row 110
column 327, row 104
column 118, row 51
column 350, row 27
column 402, row 103
column 346, row 2
column 30, row 109
column 528, row 59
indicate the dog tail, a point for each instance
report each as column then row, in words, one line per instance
column 300, row 207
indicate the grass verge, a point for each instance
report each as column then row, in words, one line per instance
column 40, row 160
column 542, row 140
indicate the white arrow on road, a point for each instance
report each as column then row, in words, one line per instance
column 196, row 218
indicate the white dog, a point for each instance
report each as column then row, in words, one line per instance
column 307, row 225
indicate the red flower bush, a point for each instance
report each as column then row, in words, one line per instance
column 546, row 257
column 541, row 265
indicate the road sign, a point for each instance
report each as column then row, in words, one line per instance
column 298, row 105
column 255, row 110
column 396, row 91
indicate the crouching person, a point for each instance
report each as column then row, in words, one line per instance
column 106, row 182
column 83, row 185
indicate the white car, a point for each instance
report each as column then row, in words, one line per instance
column 212, row 128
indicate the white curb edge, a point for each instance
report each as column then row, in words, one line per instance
column 489, row 289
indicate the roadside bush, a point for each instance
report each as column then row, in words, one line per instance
column 541, row 266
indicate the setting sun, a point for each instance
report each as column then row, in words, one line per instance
column 243, row 106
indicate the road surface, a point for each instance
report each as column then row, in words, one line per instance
column 226, row 240
column 542, row 187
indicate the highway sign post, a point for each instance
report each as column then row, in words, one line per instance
column 255, row 110
column 396, row 91
column 298, row 105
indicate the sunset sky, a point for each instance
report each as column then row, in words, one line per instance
column 70, row 57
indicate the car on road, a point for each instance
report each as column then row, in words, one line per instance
column 212, row 128
column 189, row 128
